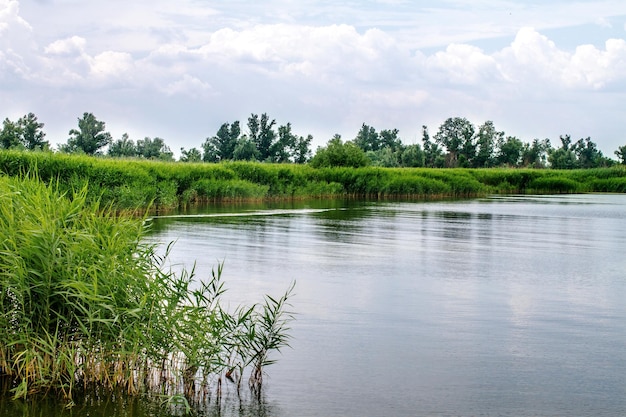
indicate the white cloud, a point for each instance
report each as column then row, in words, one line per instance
column 74, row 45
column 189, row 86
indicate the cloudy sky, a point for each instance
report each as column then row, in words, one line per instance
column 179, row 69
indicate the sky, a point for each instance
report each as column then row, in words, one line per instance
column 179, row 69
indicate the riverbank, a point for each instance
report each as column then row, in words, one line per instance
column 137, row 184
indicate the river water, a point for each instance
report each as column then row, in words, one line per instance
column 500, row 306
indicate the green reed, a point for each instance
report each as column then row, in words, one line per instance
column 86, row 304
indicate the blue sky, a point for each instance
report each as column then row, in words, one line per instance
column 178, row 70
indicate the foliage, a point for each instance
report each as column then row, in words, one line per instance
column 27, row 133
column 87, row 305
column 339, row 154
column 89, row 138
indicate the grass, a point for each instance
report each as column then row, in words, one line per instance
column 86, row 305
column 136, row 184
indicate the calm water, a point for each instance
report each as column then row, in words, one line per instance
column 504, row 306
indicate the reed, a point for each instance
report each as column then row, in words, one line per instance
column 87, row 305
column 134, row 184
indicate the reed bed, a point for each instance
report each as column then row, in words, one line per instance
column 134, row 183
column 87, row 305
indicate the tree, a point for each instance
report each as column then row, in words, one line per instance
column 337, row 153
column 192, row 155
column 621, row 154
column 486, row 140
column 282, row 150
column 123, row 147
column 367, row 139
column 535, row 154
column 388, row 138
column 510, row 151
column 302, row 151
column 221, row 147
column 89, row 138
column 564, row 157
column 245, row 150
column 154, row 149
column 262, row 134
column 457, row 135
column 413, row 156
column 587, row 154
column 32, row 135
column 433, row 155
column 10, row 136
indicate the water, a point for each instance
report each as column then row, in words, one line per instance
column 503, row 306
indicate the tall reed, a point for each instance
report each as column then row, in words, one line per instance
column 86, row 304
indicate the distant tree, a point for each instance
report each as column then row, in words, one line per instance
column 457, row 135
column 385, row 157
column 245, row 150
column 221, row 147
column 337, row 153
column 388, row 138
column 535, row 154
column 510, row 151
column 487, row 139
column 89, row 138
column 367, row 139
column 262, row 134
column 32, row 135
column 191, row 155
column 563, row 157
column 154, row 149
column 283, row 149
column 123, row 147
column 588, row 155
column 302, row 151
column 433, row 154
column 621, row 154
column 10, row 135
column 412, row 156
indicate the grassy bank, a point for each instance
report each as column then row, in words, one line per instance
column 138, row 183
column 87, row 306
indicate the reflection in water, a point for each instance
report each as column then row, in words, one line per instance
column 504, row 306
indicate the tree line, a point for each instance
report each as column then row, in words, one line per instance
column 457, row 143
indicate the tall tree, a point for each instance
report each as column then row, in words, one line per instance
column 535, row 154
column 32, row 133
column 367, row 139
column 433, row 154
column 221, row 147
column 262, row 134
column 413, row 156
column 510, row 151
column 302, row 151
column 621, row 154
column 563, row 157
column 89, row 138
column 587, row 154
column 10, row 135
column 124, row 147
column 245, row 150
column 282, row 150
column 388, row 138
column 154, row 149
column 191, row 155
column 486, row 140
column 457, row 135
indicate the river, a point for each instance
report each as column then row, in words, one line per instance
column 500, row 306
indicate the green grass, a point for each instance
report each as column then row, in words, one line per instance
column 137, row 184
column 86, row 304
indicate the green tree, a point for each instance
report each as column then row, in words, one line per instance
column 262, row 134
column 124, row 147
column 412, row 156
column 221, row 147
column 367, row 139
column 510, row 151
column 32, row 135
column 337, row 153
column 535, row 154
column 588, row 155
column 191, row 155
column 621, row 154
column 154, row 149
column 563, row 157
column 283, row 149
column 388, row 138
column 302, row 151
column 486, row 140
column 457, row 135
column 10, row 135
column 433, row 154
column 245, row 150
column 89, row 138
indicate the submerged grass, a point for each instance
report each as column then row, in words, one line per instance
column 133, row 183
column 87, row 305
